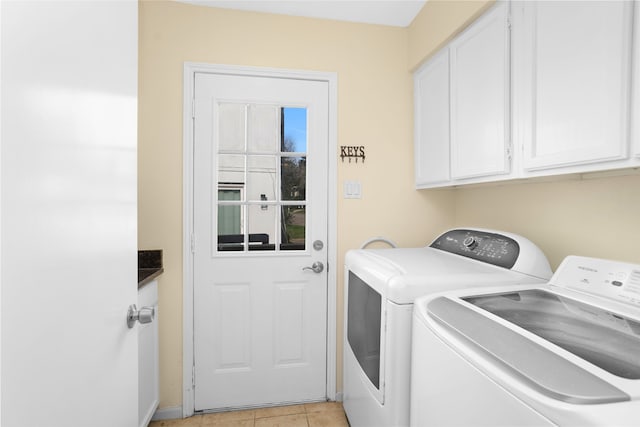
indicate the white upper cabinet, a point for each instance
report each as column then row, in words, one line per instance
column 533, row 88
column 431, row 94
column 480, row 135
column 572, row 82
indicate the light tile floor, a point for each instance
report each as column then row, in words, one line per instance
column 325, row 414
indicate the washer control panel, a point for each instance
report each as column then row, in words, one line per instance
column 491, row 248
column 610, row 279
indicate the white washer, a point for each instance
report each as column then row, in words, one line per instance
column 381, row 285
column 566, row 353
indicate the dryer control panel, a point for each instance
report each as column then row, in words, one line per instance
column 492, row 248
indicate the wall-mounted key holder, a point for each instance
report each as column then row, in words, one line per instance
column 352, row 152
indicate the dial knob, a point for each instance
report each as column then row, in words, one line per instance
column 470, row 243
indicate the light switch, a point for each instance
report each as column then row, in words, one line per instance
column 352, row 190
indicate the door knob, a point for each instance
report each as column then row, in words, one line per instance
column 316, row 267
column 144, row 315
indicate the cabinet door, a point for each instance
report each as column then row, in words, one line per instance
column 577, row 82
column 431, row 98
column 480, row 97
column 148, row 357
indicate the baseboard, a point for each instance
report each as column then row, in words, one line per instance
column 149, row 415
column 175, row 412
column 171, row 413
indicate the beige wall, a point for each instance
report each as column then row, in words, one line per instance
column 374, row 110
column 437, row 23
column 596, row 216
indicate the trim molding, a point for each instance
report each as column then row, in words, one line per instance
column 170, row 413
column 190, row 68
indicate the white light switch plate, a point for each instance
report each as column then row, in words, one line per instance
column 352, row 190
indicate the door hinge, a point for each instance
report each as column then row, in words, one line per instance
column 193, row 376
column 193, row 243
column 193, row 108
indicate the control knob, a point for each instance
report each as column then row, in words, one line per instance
column 470, row 243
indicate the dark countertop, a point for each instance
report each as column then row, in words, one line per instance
column 149, row 266
column 146, row 275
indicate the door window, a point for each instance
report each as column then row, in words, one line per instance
column 261, row 178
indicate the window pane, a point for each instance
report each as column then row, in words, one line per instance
column 230, row 237
column 232, row 127
column 294, row 130
column 262, row 224
column 229, row 194
column 293, row 172
column 228, row 220
column 229, row 217
column 261, row 178
column 230, row 169
column 264, row 128
column 293, row 228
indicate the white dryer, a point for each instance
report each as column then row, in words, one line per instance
column 381, row 286
column 566, row 353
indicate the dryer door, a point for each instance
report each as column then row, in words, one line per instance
column 365, row 334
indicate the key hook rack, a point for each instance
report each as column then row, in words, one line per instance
column 352, row 152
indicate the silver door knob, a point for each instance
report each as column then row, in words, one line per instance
column 144, row 315
column 316, row 267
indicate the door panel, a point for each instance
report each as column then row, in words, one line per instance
column 231, row 323
column 259, row 317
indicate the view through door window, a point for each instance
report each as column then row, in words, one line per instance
column 261, row 178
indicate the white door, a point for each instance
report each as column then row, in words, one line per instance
column 260, row 224
column 69, row 240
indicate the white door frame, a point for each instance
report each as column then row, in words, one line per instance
column 190, row 68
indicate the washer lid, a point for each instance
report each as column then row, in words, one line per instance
column 541, row 368
column 605, row 339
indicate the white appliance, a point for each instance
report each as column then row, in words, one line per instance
column 381, row 285
column 566, row 353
